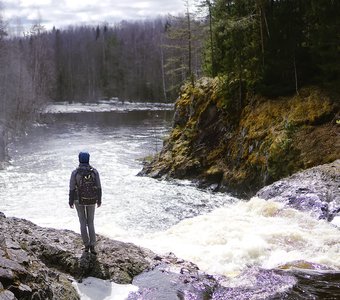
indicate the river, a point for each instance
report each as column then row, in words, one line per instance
column 220, row 233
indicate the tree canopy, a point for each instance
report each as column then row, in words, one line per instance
column 276, row 47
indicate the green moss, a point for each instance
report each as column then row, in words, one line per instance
column 300, row 264
column 216, row 153
column 146, row 159
column 270, row 139
column 310, row 107
column 176, row 133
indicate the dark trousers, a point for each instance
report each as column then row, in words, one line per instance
column 86, row 219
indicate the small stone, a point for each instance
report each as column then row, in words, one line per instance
column 7, row 295
column 6, row 275
column 9, row 264
column 22, row 291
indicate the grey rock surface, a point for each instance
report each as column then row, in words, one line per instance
column 316, row 190
column 41, row 263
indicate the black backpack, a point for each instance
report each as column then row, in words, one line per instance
column 87, row 187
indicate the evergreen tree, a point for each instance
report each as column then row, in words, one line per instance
column 276, row 47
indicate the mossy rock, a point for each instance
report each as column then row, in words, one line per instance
column 268, row 140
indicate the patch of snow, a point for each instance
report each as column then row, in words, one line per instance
column 96, row 289
column 104, row 106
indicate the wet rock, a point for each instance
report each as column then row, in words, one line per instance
column 312, row 284
column 255, row 283
column 315, row 190
column 164, row 282
column 173, row 278
column 40, row 263
column 302, row 264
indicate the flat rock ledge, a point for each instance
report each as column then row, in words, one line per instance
column 41, row 263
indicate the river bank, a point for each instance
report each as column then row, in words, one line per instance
column 45, row 263
column 226, row 146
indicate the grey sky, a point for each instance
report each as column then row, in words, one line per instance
column 61, row 13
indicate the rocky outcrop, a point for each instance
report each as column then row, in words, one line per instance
column 41, row 263
column 241, row 147
column 316, row 190
column 296, row 280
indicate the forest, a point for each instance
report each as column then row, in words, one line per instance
column 268, row 47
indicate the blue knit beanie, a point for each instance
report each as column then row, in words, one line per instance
column 84, row 157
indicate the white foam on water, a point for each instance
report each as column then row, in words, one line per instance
column 143, row 210
column 336, row 221
column 258, row 232
column 104, row 106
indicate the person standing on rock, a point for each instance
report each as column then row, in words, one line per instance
column 85, row 193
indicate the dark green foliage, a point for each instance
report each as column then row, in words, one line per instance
column 276, row 47
column 236, row 50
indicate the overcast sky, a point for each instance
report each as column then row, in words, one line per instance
column 60, row 13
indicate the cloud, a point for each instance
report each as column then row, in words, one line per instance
column 61, row 13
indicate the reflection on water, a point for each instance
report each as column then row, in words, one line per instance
column 115, row 118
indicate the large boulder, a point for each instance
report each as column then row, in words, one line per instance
column 240, row 151
column 315, row 190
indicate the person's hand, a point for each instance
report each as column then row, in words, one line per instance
column 71, row 205
column 99, row 204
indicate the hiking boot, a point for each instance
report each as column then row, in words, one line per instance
column 93, row 251
column 87, row 248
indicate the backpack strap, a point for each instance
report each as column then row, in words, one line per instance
column 80, row 170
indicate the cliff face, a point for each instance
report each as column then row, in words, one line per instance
column 242, row 150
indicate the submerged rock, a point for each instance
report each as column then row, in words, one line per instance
column 316, row 190
column 174, row 278
column 258, row 284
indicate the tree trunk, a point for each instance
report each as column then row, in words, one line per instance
column 162, row 69
column 189, row 48
column 295, row 76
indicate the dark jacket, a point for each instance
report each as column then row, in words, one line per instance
column 75, row 180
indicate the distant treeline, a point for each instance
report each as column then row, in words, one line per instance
column 135, row 61
column 130, row 60
column 273, row 47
